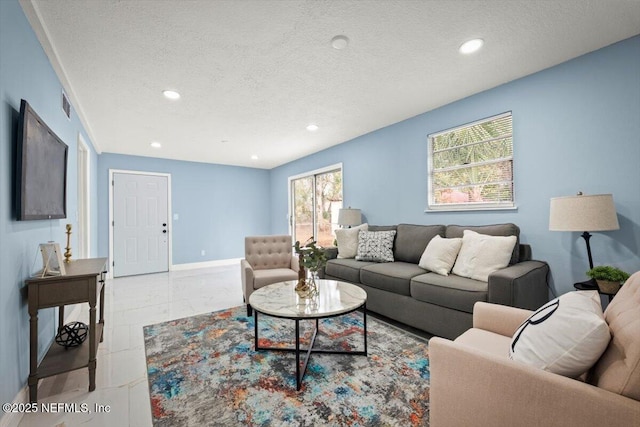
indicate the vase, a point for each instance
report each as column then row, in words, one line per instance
column 312, row 282
column 313, row 276
column 608, row 287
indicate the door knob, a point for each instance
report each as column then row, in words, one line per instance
column 164, row 224
column 164, row 231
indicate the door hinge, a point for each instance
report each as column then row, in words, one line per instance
column 113, row 223
column 112, row 182
column 113, row 263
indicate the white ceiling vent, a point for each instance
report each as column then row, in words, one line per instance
column 66, row 105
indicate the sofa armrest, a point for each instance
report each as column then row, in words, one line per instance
column 499, row 319
column 521, row 285
column 331, row 252
column 295, row 263
column 246, row 272
column 475, row 388
column 524, row 252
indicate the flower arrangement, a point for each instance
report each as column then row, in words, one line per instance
column 312, row 257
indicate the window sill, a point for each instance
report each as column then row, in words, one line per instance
column 469, row 209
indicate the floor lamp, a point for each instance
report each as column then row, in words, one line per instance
column 583, row 213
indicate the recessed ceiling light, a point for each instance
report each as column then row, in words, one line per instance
column 156, row 144
column 254, row 157
column 312, row 127
column 470, row 46
column 340, row 42
column 171, row 94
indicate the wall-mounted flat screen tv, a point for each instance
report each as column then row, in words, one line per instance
column 41, row 169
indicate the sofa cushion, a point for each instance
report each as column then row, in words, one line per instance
column 412, row 240
column 376, row 246
column 491, row 230
column 440, row 255
column 458, row 293
column 273, row 275
column 393, row 276
column 485, row 341
column 481, row 255
column 566, row 336
column 383, row 227
column 618, row 370
column 347, row 269
column 347, row 239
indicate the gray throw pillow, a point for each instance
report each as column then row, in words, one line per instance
column 375, row 246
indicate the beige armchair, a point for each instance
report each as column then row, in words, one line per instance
column 267, row 260
column 473, row 382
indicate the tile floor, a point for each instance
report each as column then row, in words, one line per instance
column 121, row 380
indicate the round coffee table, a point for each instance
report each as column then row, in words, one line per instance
column 334, row 298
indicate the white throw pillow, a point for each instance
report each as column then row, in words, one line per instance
column 481, row 255
column 440, row 255
column 347, row 239
column 565, row 336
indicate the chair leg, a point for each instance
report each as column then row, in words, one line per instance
column 249, row 311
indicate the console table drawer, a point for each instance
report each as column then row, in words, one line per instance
column 63, row 293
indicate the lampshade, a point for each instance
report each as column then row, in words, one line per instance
column 583, row 213
column 348, row 217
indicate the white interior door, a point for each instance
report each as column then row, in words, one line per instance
column 140, row 224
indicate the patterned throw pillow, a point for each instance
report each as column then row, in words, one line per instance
column 376, row 246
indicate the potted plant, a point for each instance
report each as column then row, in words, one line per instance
column 609, row 278
column 311, row 257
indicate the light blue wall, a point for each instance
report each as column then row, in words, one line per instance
column 25, row 73
column 568, row 121
column 217, row 205
column 576, row 128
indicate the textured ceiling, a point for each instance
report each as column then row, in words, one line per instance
column 253, row 74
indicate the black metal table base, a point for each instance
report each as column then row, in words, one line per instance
column 301, row 370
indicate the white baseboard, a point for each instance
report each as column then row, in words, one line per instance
column 206, row 264
column 194, row 265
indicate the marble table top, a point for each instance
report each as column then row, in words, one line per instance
column 281, row 299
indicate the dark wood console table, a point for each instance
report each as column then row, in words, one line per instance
column 82, row 283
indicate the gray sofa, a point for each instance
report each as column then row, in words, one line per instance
column 440, row 305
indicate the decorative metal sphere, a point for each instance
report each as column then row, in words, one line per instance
column 72, row 334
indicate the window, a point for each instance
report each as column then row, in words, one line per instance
column 315, row 198
column 471, row 166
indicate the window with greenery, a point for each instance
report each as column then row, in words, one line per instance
column 471, row 166
column 315, row 198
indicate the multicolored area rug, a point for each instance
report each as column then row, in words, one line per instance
column 203, row 371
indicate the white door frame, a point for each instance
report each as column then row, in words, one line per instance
column 169, row 215
column 84, row 199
